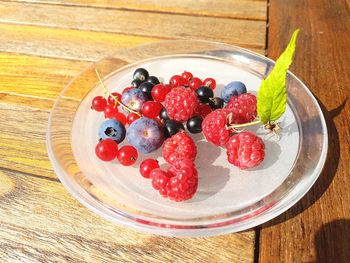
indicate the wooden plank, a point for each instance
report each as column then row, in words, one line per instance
column 71, row 233
column 65, row 43
column 22, row 141
column 68, row 43
column 246, row 33
column 246, row 9
column 36, row 76
column 317, row 228
column 26, row 101
column 26, row 96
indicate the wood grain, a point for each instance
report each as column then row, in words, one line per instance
column 65, row 43
column 22, row 141
column 26, row 97
column 13, row 100
column 246, row 9
column 37, row 76
column 77, row 235
column 39, row 220
column 247, row 33
column 317, row 229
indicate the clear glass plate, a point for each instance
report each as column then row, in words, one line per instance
column 228, row 199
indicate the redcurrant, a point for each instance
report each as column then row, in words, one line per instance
column 159, row 92
column 120, row 117
column 111, row 99
column 151, row 109
column 110, row 110
column 127, row 155
column 210, row 82
column 99, row 103
column 168, row 87
column 176, row 81
column 147, row 166
column 132, row 117
column 195, row 83
column 187, row 75
column 160, row 122
column 107, row 150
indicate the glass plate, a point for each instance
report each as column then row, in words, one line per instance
column 228, row 199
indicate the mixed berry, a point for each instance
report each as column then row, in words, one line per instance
column 149, row 115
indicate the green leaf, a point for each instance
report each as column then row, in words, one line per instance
column 272, row 94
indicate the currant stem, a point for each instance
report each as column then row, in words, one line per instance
column 245, row 124
column 114, row 97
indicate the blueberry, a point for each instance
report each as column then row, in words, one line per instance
column 134, row 98
column 145, row 134
column 136, row 83
column 140, row 74
column 146, row 88
column 172, row 127
column 163, row 115
column 204, row 93
column 112, row 129
column 194, row 124
column 234, row 88
column 216, row 103
column 154, row 80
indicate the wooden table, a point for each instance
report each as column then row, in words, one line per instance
column 45, row 43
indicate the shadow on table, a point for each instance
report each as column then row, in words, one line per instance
column 327, row 174
column 332, row 242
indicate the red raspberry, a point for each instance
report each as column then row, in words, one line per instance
column 160, row 180
column 179, row 146
column 183, row 184
column 214, row 127
column 245, row 150
column 243, row 108
column 179, row 183
column 180, row 103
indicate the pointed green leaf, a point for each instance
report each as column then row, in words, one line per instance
column 272, row 94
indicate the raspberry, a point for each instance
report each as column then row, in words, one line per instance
column 160, row 180
column 214, row 127
column 179, row 183
column 243, row 108
column 183, row 184
column 179, row 146
column 180, row 103
column 245, row 150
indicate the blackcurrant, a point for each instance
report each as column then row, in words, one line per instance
column 154, row 80
column 216, row 103
column 146, row 87
column 136, row 83
column 194, row 124
column 163, row 115
column 141, row 74
column 172, row 127
column 204, row 94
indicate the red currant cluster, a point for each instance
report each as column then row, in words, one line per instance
column 150, row 114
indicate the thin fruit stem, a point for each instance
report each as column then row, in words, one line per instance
column 245, row 124
column 114, row 97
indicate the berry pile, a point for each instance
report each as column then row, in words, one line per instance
column 149, row 114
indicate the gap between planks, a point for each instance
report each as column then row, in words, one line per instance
column 234, row 9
